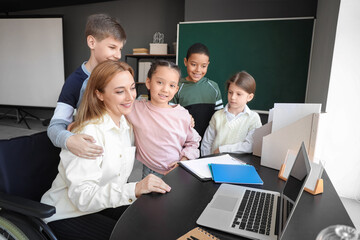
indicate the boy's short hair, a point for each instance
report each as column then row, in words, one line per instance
column 243, row 80
column 197, row 48
column 102, row 26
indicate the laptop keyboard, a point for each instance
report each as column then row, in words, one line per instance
column 255, row 212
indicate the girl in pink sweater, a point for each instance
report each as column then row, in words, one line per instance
column 163, row 132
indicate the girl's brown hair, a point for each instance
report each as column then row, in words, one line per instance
column 243, row 80
column 91, row 109
column 163, row 63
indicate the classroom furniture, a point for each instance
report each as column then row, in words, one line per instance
column 169, row 216
column 21, row 114
column 276, row 52
column 28, row 166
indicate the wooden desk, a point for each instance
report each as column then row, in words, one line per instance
column 169, row 216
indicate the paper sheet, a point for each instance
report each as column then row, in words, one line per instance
column 200, row 166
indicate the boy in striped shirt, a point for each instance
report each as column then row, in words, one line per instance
column 198, row 94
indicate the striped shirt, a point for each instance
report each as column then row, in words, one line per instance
column 201, row 99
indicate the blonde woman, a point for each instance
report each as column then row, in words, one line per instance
column 90, row 195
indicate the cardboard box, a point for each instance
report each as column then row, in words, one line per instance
column 158, row 48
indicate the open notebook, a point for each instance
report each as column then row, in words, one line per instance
column 200, row 167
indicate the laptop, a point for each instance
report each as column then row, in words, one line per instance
column 252, row 212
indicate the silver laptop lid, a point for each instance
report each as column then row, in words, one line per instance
column 293, row 188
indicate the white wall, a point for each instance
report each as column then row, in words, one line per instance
column 340, row 135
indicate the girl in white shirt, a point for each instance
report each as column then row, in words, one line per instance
column 90, row 195
column 231, row 128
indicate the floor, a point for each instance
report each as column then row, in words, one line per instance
column 9, row 128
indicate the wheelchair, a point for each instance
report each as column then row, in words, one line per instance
column 28, row 166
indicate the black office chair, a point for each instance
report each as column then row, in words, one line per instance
column 28, row 165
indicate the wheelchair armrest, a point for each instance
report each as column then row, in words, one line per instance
column 26, row 206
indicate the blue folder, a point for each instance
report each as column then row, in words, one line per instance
column 239, row 174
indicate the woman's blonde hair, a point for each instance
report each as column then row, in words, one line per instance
column 91, row 109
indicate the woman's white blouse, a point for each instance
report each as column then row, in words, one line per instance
column 85, row 186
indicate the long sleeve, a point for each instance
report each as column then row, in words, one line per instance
column 218, row 103
column 207, row 141
column 245, row 146
column 86, row 191
column 230, row 133
column 84, row 186
column 67, row 102
column 191, row 146
column 90, row 185
column 57, row 128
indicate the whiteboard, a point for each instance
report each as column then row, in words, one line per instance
column 31, row 61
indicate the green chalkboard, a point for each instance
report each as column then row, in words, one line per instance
column 276, row 52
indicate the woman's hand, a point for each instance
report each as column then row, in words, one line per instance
column 151, row 183
column 84, row 146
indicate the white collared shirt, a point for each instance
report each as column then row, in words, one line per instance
column 85, row 186
column 243, row 146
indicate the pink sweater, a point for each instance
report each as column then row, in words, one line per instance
column 163, row 135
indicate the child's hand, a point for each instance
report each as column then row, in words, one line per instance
column 192, row 122
column 172, row 167
column 84, row 146
column 151, row 183
column 217, row 151
column 175, row 164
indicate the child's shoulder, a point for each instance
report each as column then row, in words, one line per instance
column 253, row 113
column 140, row 102
column 80, row 74
column 219, row 113
column 181, row 112
column 254, row 116
column 206, row 80
column 183, row 80
column 180, row 108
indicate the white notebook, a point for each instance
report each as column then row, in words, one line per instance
column 200, row 167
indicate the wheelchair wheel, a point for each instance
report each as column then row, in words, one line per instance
column 9, row 231
column 15, row 226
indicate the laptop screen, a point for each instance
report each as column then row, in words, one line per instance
column 293, row 187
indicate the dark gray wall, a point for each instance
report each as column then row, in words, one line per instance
column 322, row 54
column 198, row 10
column 140, row 19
